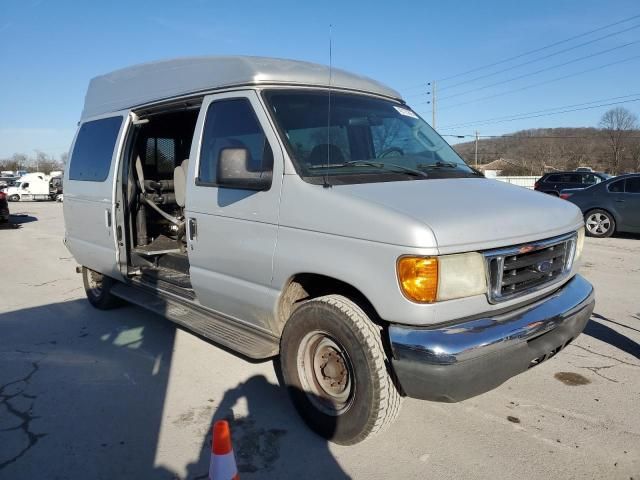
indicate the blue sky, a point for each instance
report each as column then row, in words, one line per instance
column 50, row 49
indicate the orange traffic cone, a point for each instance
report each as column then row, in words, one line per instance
column 223, row 461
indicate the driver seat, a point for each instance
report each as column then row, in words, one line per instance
column 318, row 155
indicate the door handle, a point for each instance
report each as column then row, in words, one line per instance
column 619, row 201
column 193, row 229
column 107, row 217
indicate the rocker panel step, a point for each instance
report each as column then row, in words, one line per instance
column 234, row 335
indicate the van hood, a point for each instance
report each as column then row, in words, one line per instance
column 473, row 213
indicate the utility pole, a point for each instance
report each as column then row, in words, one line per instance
column 433, row 105
column 476, row 149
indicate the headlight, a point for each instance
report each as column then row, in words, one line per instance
column 579, row 243
column 431, row 279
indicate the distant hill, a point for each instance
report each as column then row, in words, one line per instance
column 533, row 152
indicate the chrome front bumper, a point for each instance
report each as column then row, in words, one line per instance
column 459, row 360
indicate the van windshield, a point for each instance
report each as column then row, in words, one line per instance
column 360, row 139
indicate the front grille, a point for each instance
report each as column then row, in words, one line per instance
column 525, row 268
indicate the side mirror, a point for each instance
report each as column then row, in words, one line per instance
column 233, row 171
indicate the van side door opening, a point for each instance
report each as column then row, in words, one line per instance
column 154, row 186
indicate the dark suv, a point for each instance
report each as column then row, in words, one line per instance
column 553, row 183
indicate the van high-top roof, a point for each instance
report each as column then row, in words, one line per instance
column 152, row 82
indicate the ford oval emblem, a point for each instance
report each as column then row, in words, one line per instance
column 544, row 267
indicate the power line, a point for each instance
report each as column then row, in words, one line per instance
column 529, row 52
column 558, row 65
column 566, row 40
column 545, row 57
column 526, row 87
column 516, row 116
column 528, row 137
column 424, row 85
column 560, row 112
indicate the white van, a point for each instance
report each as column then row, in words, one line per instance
column 284, row 210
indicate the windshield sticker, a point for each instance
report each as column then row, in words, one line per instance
column 406, row 112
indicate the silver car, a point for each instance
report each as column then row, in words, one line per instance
column 287, row 211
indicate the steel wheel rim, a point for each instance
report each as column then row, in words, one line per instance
column 598, row 223
column 326, row 373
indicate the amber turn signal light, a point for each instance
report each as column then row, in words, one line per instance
column 418, row 277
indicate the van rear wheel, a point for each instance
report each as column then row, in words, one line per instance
column 333, row 364
column 98, row 289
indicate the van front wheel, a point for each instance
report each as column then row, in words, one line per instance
column 98, row 289
column 333, row 365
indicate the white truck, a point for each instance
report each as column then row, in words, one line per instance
column 32, row 186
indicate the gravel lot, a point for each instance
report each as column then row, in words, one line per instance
column 125, row 394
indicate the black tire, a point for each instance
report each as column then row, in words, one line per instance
column 599, row 223
column 349, row 342
column 98, row 289
column 14, row 198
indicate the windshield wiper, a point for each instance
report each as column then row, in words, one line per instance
column 440, row 164
column 384, row 166
column 477, row 172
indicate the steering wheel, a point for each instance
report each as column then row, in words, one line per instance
column 385, row 153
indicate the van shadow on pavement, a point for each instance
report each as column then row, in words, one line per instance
column 83, row 393
column 261, row 445
column 598, row 330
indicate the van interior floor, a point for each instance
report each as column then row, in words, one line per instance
column 160, row 245
column 156, row 275
column 165, row 268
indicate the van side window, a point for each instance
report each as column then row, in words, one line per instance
column 228, row 124
column 92, row 153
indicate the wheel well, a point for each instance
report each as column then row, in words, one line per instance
column 305, row 286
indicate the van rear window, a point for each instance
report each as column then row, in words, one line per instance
column 92, row 153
